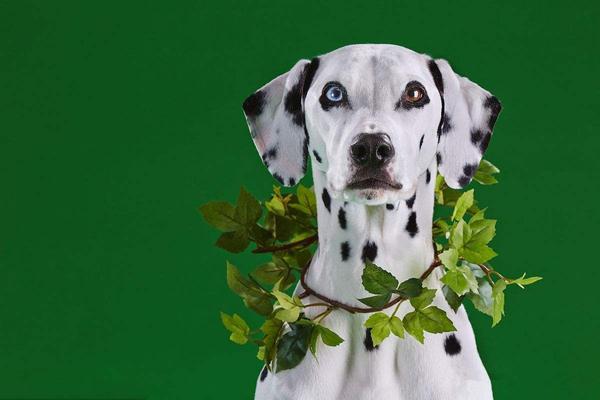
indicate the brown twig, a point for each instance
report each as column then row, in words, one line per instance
column 272, row 249
column 361, row 310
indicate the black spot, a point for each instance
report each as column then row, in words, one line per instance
column 368, row 342
column 278, row 178
column 317, row 156
column 464, row 181
column 438, row 157
column 446, row 124
column 421, row 141
column 427, row 176
column 408, row 105
column 293, row 103
column 305, row 152
column 254, row 104
column 345, row 251
column 452, row 345
column 342, row 218
column 292, row 182
column 309, row 73
column 476, row 136
column 269, row 155
column 326, row 200
column 437, row 75
column 411, row 224
column 389, row 206
column 264, row 373
column 439, row 84
column 411, row 201
column 485, row 142
column 495, row 107
column 469, row 169
column 369, row 252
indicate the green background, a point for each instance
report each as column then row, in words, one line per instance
column 117, row 119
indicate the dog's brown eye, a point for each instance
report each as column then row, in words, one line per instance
column 414, row 94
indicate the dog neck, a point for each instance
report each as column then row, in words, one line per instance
column 397, row 237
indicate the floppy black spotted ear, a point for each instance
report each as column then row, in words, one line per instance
column 466, row 126
column 275, row 116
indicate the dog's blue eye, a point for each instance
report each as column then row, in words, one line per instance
column 334, row 93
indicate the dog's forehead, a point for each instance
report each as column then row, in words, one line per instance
column 371, row 61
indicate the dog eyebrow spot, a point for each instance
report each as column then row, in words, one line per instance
column 326, row 199
column 369, row 252
column 389, row 206
column 411, row 224
column 263, row 373
column 317, row 156
column 427, row 176
column 345, row 251
column 254, row 104
column 421, row 141
column 368, row 342
column 451, row 345
column 342, row 218
column 411, row 201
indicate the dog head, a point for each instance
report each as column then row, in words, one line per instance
column 372, row 118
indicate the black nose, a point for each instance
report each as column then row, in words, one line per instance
column 372, row 150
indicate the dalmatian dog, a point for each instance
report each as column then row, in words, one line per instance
column 378, row 122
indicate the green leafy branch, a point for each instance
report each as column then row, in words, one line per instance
column 285, row 226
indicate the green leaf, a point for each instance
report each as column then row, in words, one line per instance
column 412, row 325
column 464, row 202
column 498, row 298
column 376, row 319
column 220, row 214
column 292, row 346
column 376, row 280
column 396, row 326
column 288, row 315
column 380, row 327
column 248, row 209
column 237, row 326
column 271, row 328
column 329, row 337
column 287, row 302
column 485, row 173
column 461, row 280
column 410, row 288
column 234, row 242
column 460, row 234
column 478, row 254
column 434, row 320
column 453, row 300
column 522, row 281
column 276, row 206
column 376, row 301
column 424, row 299
column 273, row 272
column 306, row 197
column 482, row 231
column 449, row 258
column 253, row 295
column 483, row 301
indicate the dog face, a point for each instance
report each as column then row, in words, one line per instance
column 372, row 118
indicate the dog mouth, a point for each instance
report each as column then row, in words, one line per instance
column 374, row 183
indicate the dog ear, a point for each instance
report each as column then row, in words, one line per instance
column 468, row 117
column 275, row 116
